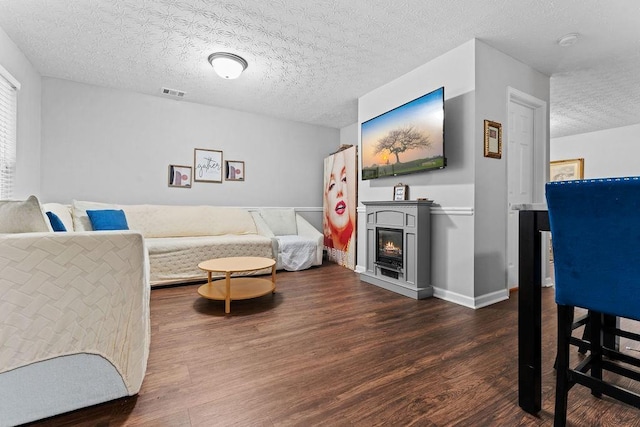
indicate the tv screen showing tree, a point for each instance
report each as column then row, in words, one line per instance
column 407, row 139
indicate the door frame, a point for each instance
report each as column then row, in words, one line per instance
column 540, row 167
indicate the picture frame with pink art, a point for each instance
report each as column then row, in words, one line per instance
column 180, row 176
column 234, row 170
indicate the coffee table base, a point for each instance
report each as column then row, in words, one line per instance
column 240, row 288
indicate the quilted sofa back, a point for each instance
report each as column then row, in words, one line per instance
column 185, row 221
column 169, row 220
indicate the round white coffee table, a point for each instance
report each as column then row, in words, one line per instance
column 237, row 288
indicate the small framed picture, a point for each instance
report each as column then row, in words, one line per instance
column 566, row 170
column 492, row 139
column 207, row 165
column 400, row 192
column 180, row 176
column 234, row 170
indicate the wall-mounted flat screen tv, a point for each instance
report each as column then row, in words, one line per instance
column 407, row 139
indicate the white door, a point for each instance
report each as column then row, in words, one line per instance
column 520, row 177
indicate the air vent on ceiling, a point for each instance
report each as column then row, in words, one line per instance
column 173, row 93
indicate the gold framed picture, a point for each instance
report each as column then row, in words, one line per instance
column 492, row 139
column 566, row 170
column 400, row 192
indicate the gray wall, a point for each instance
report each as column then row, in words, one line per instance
column 606, row 153
column 28, row 133
column 109, row 145
column 452, row 188
column 468, row 228
column 495, row 73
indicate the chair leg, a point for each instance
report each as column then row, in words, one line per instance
column 595, row 321
column 565, row 321
column 582, row 349
column 609, row 340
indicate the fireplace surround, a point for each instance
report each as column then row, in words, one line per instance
column 398, row 247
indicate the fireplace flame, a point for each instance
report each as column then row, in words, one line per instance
column 391, row 248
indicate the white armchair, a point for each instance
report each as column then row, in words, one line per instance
column 298, row 244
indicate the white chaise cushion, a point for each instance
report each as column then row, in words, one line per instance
column 282, row 222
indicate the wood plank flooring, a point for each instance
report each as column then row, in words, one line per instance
column 328, row 349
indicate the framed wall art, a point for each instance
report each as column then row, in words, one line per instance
column 400, row 192
column 492, row 139
column 565, row 170
column 180, row 176
column 207, row 165
column 234, row 170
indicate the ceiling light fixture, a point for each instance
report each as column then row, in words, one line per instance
column 568, row 39
column 227, row 65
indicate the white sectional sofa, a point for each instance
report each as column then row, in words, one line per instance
column 180, row 237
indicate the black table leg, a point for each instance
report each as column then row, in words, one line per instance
column 530, row 311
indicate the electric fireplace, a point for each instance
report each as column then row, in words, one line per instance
column 389, row 247
column 398, row 243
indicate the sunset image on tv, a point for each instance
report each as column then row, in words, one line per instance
column 407, row 139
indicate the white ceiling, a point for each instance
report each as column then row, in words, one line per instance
column 310, row 60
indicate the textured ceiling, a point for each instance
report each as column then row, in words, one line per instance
column 310, row 61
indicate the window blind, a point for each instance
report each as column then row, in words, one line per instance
column 8, row 119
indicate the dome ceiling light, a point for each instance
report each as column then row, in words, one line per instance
column 227, row 65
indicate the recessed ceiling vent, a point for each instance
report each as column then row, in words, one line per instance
column 173, row 93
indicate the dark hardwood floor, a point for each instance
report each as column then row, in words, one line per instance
column 328, row 349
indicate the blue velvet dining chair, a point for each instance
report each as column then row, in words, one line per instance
column 595, row 229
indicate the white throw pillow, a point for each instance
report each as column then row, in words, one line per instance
column 22, row 216
column 81, row 221
column 282, row 222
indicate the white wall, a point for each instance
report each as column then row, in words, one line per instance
column 607, row 153
column 349, row 135
column 115, row 146
column 27, row 180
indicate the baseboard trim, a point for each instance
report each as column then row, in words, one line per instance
column 456, row 298
column 474, row 303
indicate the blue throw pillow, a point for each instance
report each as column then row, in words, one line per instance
column 108, row 219
column 56, row 222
